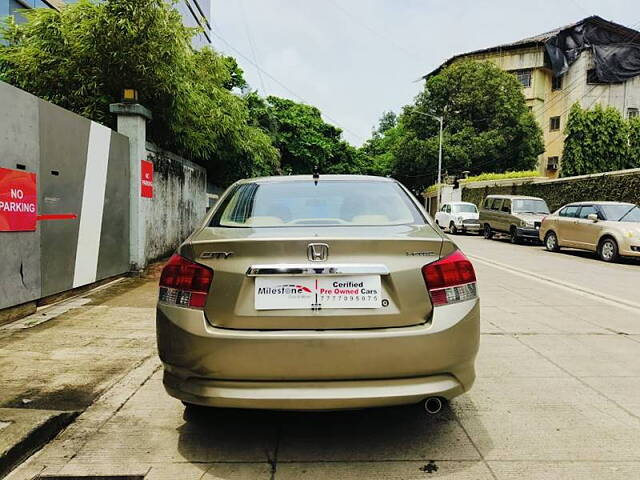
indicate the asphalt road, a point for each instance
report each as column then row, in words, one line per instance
column 557, row 397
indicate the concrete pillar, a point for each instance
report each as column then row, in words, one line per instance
column 132, row 122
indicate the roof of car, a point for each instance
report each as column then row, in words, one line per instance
column 598, row 203
column 514, row 197
column 298, row 178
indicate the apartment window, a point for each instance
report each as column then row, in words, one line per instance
column 592, row 77
column 554, row 123
column 552, row 163
column 632, row 112
column 524, row 77
column 556, row 83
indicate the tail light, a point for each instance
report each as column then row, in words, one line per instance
column 185, row 283
column 450, row 280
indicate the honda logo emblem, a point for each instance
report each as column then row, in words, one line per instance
column 317, row 252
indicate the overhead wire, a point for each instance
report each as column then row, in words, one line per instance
column 283, row 86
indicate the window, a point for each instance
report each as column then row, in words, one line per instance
column 488, row 203
column 497, row 204
column 556, row 83
column 329, row 203
column 554, row 123
column 587, row 210
column 464, row 208
column 632, row 112
column 530, row 205
column 506, row 206
column 570, row 211
column 592, row 77
column 552, row 163
column 524, row 77
column 624, row 212
column 448, row 209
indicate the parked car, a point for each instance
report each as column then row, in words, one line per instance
column 515, row 215
column 611, row 229
column 458, row 217
column 314, row 293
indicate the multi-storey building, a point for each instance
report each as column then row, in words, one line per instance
column 592, row 61
column 195, row 13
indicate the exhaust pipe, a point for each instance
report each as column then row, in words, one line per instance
column 433, row 405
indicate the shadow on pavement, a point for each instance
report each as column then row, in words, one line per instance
column 401, row 434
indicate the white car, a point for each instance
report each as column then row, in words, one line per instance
column 458, row 217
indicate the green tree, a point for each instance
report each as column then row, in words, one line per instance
column 487, row 126
column 378, row 149
column 599, row 140
column 304, row 139
column 83, row 56
column 634, row 142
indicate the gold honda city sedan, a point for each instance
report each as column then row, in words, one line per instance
column 612, row 229
column 318, row 293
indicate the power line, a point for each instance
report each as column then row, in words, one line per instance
column 374, row 31
column 274, row 79
column 251, row 45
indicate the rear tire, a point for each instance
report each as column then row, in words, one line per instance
column 513, row 236
column 608, row 250
column 488, row 233
column 453, row 229
column 551, row 242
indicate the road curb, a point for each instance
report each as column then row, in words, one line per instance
column 34, row 437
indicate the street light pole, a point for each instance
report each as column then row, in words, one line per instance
column 439, row 182
column 440, row 165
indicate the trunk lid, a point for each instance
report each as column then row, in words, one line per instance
column 394, row 253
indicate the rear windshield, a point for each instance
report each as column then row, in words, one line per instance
column 301, row 203
column 464, row 208
column 621, row 213
column 529, row 206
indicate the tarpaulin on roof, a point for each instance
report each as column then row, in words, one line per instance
column 616, row 58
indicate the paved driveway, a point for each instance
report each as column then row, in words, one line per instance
column 557, row 397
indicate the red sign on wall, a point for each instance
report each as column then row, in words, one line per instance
column 18, row 201
column 146, row 179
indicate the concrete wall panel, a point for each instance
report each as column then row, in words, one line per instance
column 64, row 138
column 19, row 146
column 114, row 241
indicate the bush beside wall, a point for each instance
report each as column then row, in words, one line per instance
column 621, row 188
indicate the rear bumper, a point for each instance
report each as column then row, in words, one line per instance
column 529, row 233
column 336, row 395
column 318, row 370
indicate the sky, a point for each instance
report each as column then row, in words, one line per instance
column 355, row 59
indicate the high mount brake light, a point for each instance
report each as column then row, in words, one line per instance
column 185, row 283
column 450, row 280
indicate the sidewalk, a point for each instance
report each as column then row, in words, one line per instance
column 56, row 362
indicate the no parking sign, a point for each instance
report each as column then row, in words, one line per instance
column 18, row 201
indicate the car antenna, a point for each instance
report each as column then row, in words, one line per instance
column 316, row 175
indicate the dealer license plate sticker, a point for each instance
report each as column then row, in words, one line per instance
column 286, row 293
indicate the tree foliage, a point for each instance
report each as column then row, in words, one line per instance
column 305, row 141
column 83, row 56
column 487, row 126
column 599, row 140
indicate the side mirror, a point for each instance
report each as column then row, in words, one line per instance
column 593, row 217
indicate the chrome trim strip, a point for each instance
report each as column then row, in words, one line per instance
column 307, row 270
